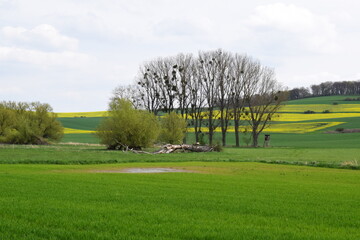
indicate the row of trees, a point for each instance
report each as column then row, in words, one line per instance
column 214, row 89
column 28, row 123
column 326, row 89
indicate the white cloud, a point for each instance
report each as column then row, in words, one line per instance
column 10, row 90
column 41, row 35
column 66, row 58
column 316, row 32
column 297, row 38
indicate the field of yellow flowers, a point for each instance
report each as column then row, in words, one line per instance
column 290, row 119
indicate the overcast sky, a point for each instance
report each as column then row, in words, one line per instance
column 73, row 53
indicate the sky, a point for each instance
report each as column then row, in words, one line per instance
column 73, row 53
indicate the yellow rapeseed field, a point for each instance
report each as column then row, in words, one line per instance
column 284, row 127
column 82, row 114
column 297, row 117
column 288, row 113
column 72, row 130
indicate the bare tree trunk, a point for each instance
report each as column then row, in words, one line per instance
column 255, row 135
column 236, row 127
column 210, row 138
column 223, row 138
column 196, row 130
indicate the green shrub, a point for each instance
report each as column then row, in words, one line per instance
column 326, row 111
column 202, row 138
column 127, row 127
column 218, row 147
column 28, row 123
column 173, row 128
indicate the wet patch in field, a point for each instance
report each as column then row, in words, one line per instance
column 143, row 170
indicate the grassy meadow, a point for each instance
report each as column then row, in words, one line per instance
column 214, row 201
column 305, row 186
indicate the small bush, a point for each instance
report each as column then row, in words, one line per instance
column 326, row 111
column 202, row 139
column 173, row 128
column 335, row 103
column 309, row 112
column 127, row 128
column 217, row 147
column 340, row 129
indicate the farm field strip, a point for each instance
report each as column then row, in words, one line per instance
column 73, row 130
column 319, row 108
column 296, row 117
column 69, row 154
column 82, row 114
column 305, row 127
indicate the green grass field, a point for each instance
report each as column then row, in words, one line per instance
column 217, row 201
column 324, row 100
column 305, row 186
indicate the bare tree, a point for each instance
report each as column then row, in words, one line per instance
column 264, row 97
column 131, row 93
column 197, row 103
column 148, row 88
column 224, row 83
column 208, row 70
column 184, row 68
column 237, row 94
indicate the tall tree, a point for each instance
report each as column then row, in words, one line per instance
column 224, row 83
column 237, row 95
column 197, row 103
column 263, row 97
column 208, row 70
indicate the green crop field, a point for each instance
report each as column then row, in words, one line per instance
column 325, row 100
column 305, row 186
column 213, row 201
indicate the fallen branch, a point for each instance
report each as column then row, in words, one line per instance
column 170, row 148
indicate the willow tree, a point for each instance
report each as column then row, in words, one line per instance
column 28, row 123
column 127, row 127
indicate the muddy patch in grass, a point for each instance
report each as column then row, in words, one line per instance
column 143, row 170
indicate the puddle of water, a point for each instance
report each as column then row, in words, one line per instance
column 143, row 170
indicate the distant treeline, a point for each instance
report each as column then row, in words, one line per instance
column 326, row 89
